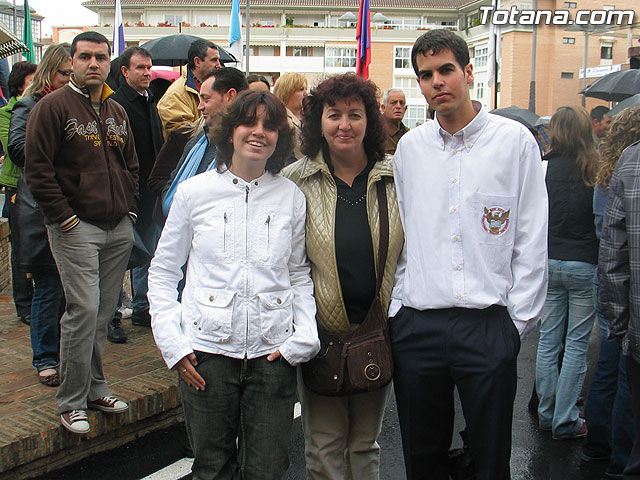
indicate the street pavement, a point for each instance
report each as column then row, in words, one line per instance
column 535, row 455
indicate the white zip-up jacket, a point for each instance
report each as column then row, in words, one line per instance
column 248, row 289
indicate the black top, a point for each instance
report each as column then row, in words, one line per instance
column 146, row 128
column 354, row 247
column 572, row 231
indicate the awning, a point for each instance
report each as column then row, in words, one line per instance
column 9, row 43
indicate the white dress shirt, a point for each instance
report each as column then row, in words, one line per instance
column 474, row 210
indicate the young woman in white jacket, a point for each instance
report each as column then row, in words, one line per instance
column 247, row 313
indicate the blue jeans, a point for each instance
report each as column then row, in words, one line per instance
column 251, row 400
column 150, row 235
column 48, row 298
column 609, row 404
column 569, row 307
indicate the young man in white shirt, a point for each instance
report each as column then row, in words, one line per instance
column 472, row 278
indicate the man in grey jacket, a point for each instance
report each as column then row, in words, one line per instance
column 619, row 273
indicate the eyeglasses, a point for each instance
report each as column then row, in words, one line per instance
column 65, row 73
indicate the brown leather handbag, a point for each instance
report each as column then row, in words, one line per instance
column 360, row 360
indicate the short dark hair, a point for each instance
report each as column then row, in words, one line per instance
column 598, row 112
column 19, row 72
column 435, row 41
column 199, row 49
column 258, row 78
column 242, row 111
column 227, row 78
column 91, row 36
column 125, row 57
column 345, row 87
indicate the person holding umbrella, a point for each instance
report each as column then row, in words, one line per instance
column 180, row 102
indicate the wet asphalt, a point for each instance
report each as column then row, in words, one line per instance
column 535, row 455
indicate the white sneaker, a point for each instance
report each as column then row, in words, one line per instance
column 76, row 421
column 126, row 312
column 108, row 405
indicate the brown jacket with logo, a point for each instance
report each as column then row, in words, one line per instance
column 80, row 163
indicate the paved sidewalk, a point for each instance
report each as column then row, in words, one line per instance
column 33, row 442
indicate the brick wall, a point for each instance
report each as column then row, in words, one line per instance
column 5, row 270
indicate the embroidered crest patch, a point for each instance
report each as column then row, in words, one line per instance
column 495, row 220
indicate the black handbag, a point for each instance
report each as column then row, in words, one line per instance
column 360, row 360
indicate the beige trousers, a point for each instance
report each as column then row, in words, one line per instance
column 340, row 433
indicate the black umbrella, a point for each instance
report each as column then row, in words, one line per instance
column 522, row 115
column 626, row 103
column 615, row 86
column 172, row 50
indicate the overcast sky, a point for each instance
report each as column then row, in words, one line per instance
column 61, row 12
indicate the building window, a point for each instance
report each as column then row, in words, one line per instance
column 207, row 20
column 402, row 57
column 570, row 5
column 568, row 40
column 300, row 51
column 606, row 52
column 568, row 75
column 480, row 90
column 481, row 56
column 415, row 115
column 409, row 86
column 340, row 57
column 174, row 19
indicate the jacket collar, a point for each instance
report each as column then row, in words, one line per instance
column 132, row 94
column 106, row 90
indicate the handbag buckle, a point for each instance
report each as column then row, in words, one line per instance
column 372, row 372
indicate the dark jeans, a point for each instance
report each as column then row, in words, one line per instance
column 22, row 286
column 473, row 350
column 251, row 400
column 632, row 470
column 608, row 408
column 46, row 309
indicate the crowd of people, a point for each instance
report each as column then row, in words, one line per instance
column 264, row 229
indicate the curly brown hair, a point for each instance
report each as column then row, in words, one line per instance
column 343, row 87
column 243, row 111
column 624, row 130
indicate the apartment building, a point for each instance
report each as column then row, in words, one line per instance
column 317, row 37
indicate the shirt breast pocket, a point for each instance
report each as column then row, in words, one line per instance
column 494, row 219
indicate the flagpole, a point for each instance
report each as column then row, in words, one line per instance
column 247, row 50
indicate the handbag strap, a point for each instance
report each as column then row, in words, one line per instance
column 383, row 247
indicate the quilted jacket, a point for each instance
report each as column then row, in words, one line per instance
column 313, row 177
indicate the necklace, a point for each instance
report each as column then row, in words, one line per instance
column 353, row 204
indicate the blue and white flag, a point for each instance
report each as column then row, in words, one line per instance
column 235, row 32
column 118, row 32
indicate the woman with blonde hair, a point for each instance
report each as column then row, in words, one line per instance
column 609, row 402
column 34, row 255
column 573, row 256
column 291, row 88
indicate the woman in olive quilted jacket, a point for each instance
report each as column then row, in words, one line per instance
column 343, row 139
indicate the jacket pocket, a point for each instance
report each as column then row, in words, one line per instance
column 214, row 237
column 273, row 232
column 214, row 314
column 276, row 315
column 90, row 199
